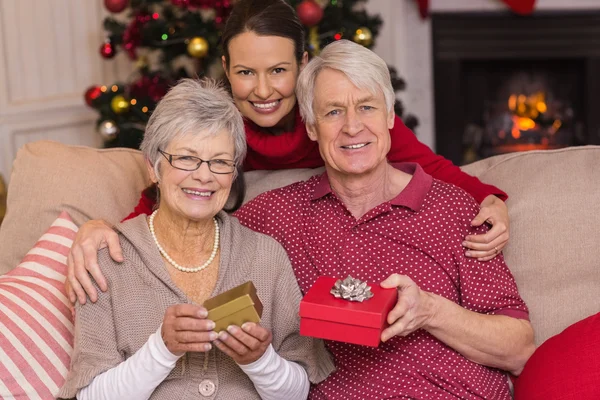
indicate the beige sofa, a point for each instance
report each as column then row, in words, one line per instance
column 554, row 248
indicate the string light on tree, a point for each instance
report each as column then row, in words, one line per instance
column 363, row 36
column 197, row 47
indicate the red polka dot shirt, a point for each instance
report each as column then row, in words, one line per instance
column 419, row 233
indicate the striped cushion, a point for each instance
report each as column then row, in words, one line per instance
column 36, row 327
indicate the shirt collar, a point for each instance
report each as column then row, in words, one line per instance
column 412, row 196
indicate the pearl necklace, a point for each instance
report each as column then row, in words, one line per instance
column 171, row 261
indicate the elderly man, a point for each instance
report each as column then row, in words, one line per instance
column 459, row 323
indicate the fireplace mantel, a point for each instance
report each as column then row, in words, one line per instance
column 446, row 6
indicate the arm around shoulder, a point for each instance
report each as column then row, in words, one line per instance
column 82, row 261
column 406, row 147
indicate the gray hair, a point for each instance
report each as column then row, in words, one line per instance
column 193, row 106
column 365, row 69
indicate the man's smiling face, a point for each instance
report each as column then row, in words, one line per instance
column 351, row 125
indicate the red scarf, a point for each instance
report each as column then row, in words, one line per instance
column 286, row 151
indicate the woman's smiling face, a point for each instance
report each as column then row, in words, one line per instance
column 200, row 194
column 263, row 72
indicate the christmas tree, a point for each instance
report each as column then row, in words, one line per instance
column 173, row 39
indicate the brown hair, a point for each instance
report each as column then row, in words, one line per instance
column 265, row 18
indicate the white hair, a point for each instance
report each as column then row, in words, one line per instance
column 193, row 106
column 365, row 69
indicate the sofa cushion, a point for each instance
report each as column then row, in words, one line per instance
column 48, row 177
column 262, row 181
column 553, row 251
column 564, row 367
column 36, row 327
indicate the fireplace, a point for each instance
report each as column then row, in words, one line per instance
column 505, row 83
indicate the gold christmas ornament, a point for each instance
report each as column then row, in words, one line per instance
column 363, row 36
column 108, row 129
column 119, row 104
column 313, row 40
column 197, row 47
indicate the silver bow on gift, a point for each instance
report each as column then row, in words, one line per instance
column 351, row 289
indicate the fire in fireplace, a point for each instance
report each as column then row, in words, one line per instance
column 519, row 106
column 505, row 83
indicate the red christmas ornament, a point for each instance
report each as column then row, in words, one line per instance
column 91, row 94
column 309, row 12
column 107, row 50
column 116, row 6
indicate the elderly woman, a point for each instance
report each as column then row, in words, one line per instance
column 148, row 336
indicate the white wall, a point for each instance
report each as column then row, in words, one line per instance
column 48, row 57
column 404, row 42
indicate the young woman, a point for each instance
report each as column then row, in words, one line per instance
column 263, row 53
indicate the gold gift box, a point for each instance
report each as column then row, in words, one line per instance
column 234, row 307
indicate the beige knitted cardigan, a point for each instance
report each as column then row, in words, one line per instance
column 140, row 290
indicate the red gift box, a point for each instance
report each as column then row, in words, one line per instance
column 324, row 316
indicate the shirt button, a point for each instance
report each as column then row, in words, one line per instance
column 206, row 388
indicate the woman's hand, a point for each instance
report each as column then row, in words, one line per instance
column 487, row 246
column 246, row 344
column 83, row 259
column 185, row 328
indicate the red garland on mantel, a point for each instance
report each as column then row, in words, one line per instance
column 522, row 7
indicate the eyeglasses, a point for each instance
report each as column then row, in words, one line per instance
column 191, row 163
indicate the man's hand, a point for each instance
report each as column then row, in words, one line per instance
column 487, row 246
column 185, row 328
column 246, row 344
column 83, row 259
column 412, row 311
